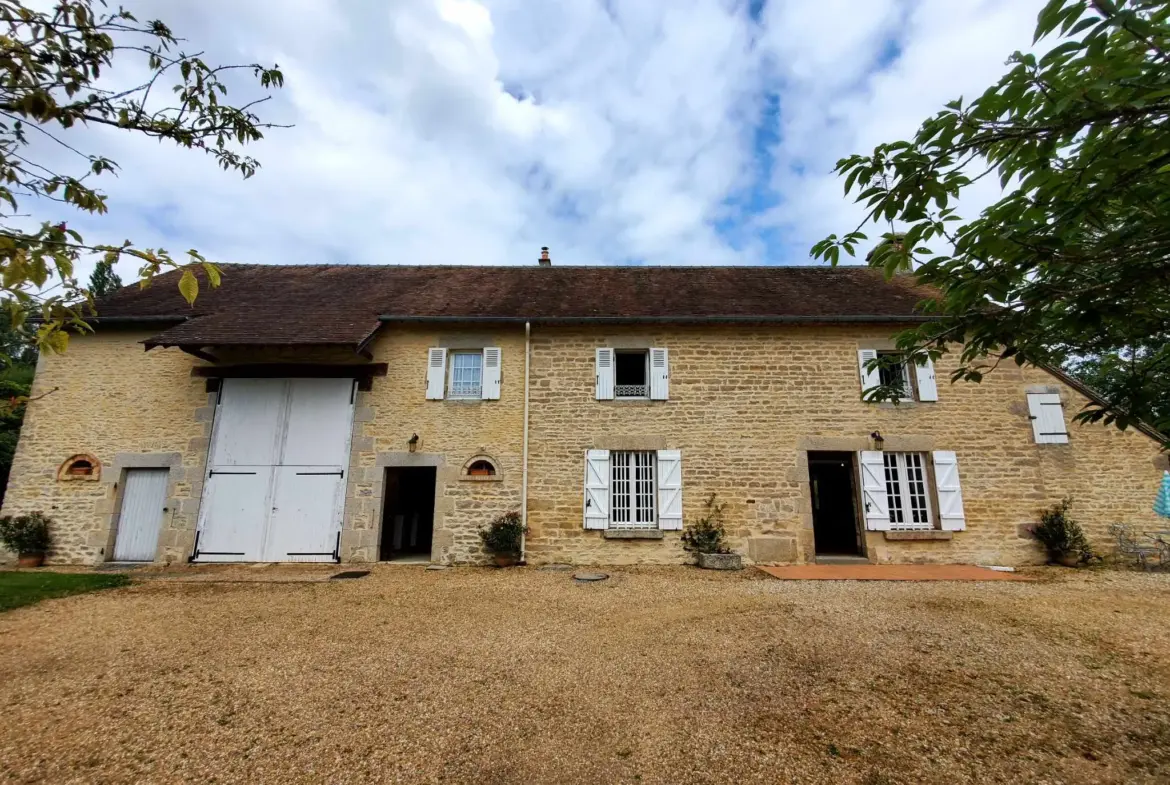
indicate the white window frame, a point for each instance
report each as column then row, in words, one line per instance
column 475, row 395
column 901, row 493
column 631, row 507
column 907, row 382
column 645, row 395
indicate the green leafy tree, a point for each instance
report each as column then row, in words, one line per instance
column 55, row 65
column 103, row 279
column 1073, row 261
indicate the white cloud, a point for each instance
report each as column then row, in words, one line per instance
column 432, row 131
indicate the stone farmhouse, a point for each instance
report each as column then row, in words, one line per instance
column 357, row 414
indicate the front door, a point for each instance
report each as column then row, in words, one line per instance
column 408, row 512
column 834, row 504
column 143, row 496
column 275, row 486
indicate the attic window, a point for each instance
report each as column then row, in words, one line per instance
column 80, row 467
column 481, row 468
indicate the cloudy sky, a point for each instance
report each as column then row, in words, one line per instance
column 614, row 131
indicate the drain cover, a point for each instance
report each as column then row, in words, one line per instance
column 589, row 577
column 349, row 575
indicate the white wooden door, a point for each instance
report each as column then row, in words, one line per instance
column 305, row 522
column 276, row 476
column 233, row 515
column 143, row 497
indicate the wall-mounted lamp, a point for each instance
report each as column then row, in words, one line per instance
column 878, row 442
column 413, row 443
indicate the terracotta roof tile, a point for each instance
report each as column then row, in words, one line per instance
column 341, row 304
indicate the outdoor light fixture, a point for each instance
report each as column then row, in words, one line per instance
column 413, row 442
column 878, row 441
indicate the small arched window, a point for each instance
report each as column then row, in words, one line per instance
column 481, row 468
column 80, row 467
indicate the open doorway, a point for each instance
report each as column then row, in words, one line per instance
column 831, row 479
column 408, row 513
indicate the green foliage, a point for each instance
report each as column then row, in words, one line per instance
column 15, row 382
column 706, row 533
column 1060, row 534
column 104, row 280
column 26, row 588
column 504, row 534
column 1074, row 260
column 55, row 58
column 26, row 533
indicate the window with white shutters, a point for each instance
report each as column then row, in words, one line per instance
column 463, row 374
column 895, row 372
column 632, row 490
column 906, row 493
column 1047, row 415
column 632, row 374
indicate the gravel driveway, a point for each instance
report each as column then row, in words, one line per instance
column 655, row 676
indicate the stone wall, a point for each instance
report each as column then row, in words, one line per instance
column 451, row 433
column 747, row 404
column 128, row 408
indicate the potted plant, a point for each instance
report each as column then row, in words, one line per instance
column 28, row 536
column 502, row 538
column 707, row 538
column 1062, row 536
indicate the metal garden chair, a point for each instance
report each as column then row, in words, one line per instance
column 1128, row 544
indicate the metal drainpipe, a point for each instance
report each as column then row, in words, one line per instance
column 524, row 469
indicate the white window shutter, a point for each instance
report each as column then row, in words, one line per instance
column 436, row 373
column 596, row 489
column 950, row 495
column 490, row 389
column 1047, row 415
column 873, row 490
column 670, row 514
column 605, row 375
column 927, row 386
column 659, row 375
column 869, row 379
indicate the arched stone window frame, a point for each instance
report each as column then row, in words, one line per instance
column 465, row 472
column 66, row 473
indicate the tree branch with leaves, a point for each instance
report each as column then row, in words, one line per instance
column 54, row 68
column 1072, row 263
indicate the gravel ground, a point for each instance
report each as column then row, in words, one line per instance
column 654, row 676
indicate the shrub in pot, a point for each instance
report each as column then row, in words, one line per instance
column 28, row 536
column 502, row 538
column 706, row 537
column 1062, row 536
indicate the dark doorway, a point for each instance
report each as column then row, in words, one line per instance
column 408, row 512
column 831, row 477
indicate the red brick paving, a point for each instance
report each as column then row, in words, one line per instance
column 890, row 572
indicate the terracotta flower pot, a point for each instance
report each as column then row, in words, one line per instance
column 506, row 559
column 30, row 560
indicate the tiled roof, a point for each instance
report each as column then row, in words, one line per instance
column 341, row 304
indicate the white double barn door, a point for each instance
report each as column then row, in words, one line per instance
column 275, row 488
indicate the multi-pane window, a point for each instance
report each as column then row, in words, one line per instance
column 909, row 503
column 894, row 372
column 631, row 374
column 466, row 375
column 632, row 490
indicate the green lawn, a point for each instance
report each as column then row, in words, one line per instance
column 25, row 588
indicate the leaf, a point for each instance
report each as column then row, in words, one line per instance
column 189, row 286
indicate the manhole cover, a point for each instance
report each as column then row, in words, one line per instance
column 349, row 575
column 589, row 577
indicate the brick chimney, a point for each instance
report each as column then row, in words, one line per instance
column 544, row 261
